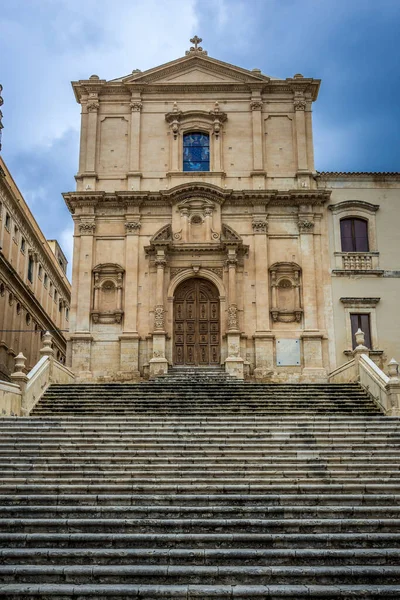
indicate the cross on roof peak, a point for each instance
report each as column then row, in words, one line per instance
column 196, row 40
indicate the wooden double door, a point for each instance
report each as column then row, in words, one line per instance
column 196, row 323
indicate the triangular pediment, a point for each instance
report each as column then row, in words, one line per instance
column 195, row 69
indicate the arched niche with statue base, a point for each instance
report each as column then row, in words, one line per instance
column 108, row 280
column 286, row 292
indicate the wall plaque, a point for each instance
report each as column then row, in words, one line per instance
column 288, row 353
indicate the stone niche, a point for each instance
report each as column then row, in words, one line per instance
column 197, row 220
column 108, row 282
column 286, row 293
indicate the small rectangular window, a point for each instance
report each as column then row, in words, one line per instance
column 30, row 269
column 360, row 321
column 8, row 222
column 23, row 244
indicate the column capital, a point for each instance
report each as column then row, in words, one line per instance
column 133, row 227
column 136, row 105
column 259, row 225
column 87, row 227
column 256, row 105
column 305, row 225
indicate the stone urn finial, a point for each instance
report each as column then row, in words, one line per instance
column 393, row 369
column 19, row 368
column 47, row 349
column 360, row 337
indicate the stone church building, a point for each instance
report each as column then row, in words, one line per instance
column 205, row 237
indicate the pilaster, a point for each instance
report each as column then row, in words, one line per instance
column 158, row 363
column 263, row 338
column 134, row 173
column 234, row 364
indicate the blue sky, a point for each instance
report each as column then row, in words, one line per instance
column 352, row 45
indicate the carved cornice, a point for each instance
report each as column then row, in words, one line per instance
column 363, row 300
column 208, row 191
column 353, row 205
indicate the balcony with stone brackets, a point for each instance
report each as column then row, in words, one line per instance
column 357, row 263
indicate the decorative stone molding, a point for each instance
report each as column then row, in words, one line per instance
column 260, row 225
column 306, row 226
column 285, row 292
column 136, row 106
column 132, row 226
column 108, row 281
column 87, row 227
column 299, row 102
column 193, row 119
column 93, row 106
column 159, row 321
column 233, row 324
column 256, row 104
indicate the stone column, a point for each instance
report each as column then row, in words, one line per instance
column 129, row 340
column 256, row 117
column 300, row 105
column 208, row 223
column 263, row 337
column 81, row 338
column 159, row 364
column 234, row 364
column 91, row 139
column 185, row 224
column 312, row 339
column 134, row 147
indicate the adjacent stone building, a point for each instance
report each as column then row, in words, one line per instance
column 205, row 237
column 34, row 290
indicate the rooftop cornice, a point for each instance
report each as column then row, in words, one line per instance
column 358, row 175
column 198, row 189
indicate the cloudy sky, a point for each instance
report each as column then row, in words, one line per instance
column 352, row 45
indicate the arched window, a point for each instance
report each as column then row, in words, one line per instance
column 354, row 235
column 196, row 151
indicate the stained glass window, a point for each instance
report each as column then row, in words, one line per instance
column 196, row 152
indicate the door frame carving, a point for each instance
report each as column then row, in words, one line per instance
column 202, row 273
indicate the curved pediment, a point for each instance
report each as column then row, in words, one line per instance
column 196, row 189
column 108, row 268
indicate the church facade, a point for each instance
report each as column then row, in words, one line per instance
column 205, row 237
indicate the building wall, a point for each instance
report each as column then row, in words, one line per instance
column 266, row 239
column 374, row 290
column 34, row 290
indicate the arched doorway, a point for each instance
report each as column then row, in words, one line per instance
column 196, row 323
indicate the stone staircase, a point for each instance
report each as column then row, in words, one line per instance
column 199, row 486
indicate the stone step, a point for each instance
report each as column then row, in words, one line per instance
column 302, row 540
column 194, row 574
column 200, row 525
column 210, row 511
column 192, row 591
column 170, row 473
column 217, row 500
column 200, row 556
